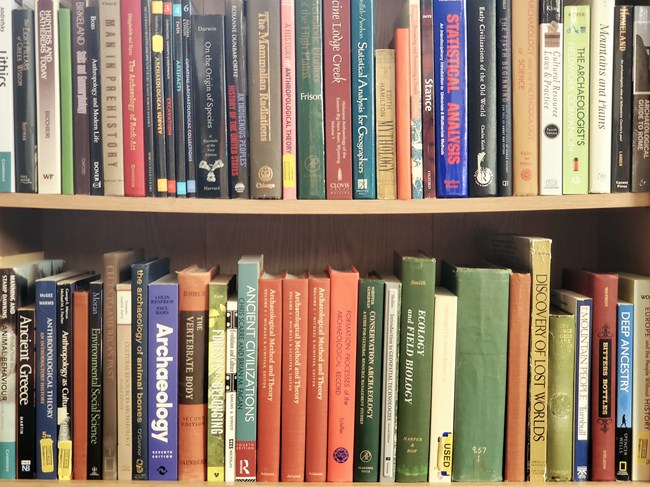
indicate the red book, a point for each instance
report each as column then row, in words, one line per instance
column 343, row 359
column 269, row 378
column 401, row 42
column 80, row 392
column 132, row 98
column 603, row 289
column 428, row 102
column 338, row 99
column 294, row 376
column 318, row 337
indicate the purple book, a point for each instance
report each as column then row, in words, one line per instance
column 163, row 383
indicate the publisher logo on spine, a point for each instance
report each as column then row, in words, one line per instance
column 483, row 176
column 341, row 455
column 552, row 131
column 312, row 164
column 265, row 174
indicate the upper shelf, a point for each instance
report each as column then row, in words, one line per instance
column 310, row 207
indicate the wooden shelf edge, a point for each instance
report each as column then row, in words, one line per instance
column 310, row 207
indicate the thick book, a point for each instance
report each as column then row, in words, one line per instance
column 26, row 394
column 168, row 94
column 622, row 99
column 231, row 387
column 602, row 288
column 24, row 31
column 561, row 377
column 158, row 94
column 367, row 431
column 249, row 269
column 188, row 82
column 179, row 98
column 80, row 97
column 8, row 65
column 525, row 98
column 514, row 468
column 264, row 80
column 65, row 84
column 80, row 393
column 575, row 153
column 362, row 31
column 147, row 100
column 504, row 96
column 482, row 148
column 400, row 44
column 451, row 98
column 289, row 74
column 641, row 101
column 551, row 101
column 94, row 466
column 415, row 73
column 480, row 370
column 124, row 382
column 163, row 389
column 309, row 105
column 95, row 104
column 533, row 255
column 580, row 307
column 318, row 377
column 418, row 276
column 624, row 387
column 193, row 303
column 386, row 135
column 443, row 374
column 427, row 39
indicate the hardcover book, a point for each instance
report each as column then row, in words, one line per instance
column 641, row 102
column 179, row 98
column 147, row 100
column 95, row 104
column 158, row 75
column 624, row 388
column 188, row 105
column 65, row 85
column 7, row 68
column 400, row 44
column 415, row 74
column 26, row 394
column 168, row 90
column 80, row 393
column 231, row 386
column 80, row 97
column 124, row 384
column 504, row 96
column 289, row 74
column 95, row 387
column 428, row 102
column 386, row 138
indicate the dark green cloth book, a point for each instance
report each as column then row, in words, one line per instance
column 481, row 366
column 65, row 66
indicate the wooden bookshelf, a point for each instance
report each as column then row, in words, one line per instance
column 96, row 483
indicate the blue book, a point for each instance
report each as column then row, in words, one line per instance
column 450, row 25
column 624, row 361
column 363, row 98
column 163, row 388
column 142, row 274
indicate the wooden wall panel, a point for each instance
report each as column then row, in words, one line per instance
column 624, row 238
column 20, row 231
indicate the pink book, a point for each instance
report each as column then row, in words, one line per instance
column 288, row 45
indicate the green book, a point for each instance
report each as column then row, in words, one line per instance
column 65, row 67
column 418, row 276
column 367, row 428
column 561, row 373
column 481, row 363
column 575, row 141
column 309, row 96
column 218, row 291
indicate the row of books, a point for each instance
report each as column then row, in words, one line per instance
column 194, row 375
column 295, row 99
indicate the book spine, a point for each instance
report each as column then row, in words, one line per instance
column 65, row 83
column 163, row 338
column 8, row 344
column 402, row 113
column 504, row 97
column 309, row 92
column 428, row 101
column 211, row 115
column 111, row 80
column 622, row 99
column 386, row 143
column 80, row 98
column 80, row 394
column 641, row 100
column 368, row 378
column 139, row 370
column 265, row 118
column 95, row 104
column 231, row 395
column 550, row 88
column 188, row 80
column 158, row 75
column 147, row 100
column 451, row 98
column 179, row 98
column 25, row 100
column 133, row 99
column 624, row 387
column 95, row 389
column 289, row 126
column 525, row 97
column 415, row 70
column 601, row 78
column 48, row 98
column 363, row 99
column 576, row 101
column 124, row 386
column 582, row 391
column 26, row 431
column 168, row 91
column 64, row 379
column 7, row 67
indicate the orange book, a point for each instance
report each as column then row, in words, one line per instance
column 294, row 376
column 269, row 378
column 401, row 43
column 80, row 392
column 318, row 340
column 192, row 372
column 343, row 359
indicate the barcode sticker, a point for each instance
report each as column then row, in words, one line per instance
column 65, row 460
column 642, row 448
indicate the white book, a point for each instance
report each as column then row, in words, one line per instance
column 442, row 385
column 417, row 171
column 124, row 382
column 7, row 153
column 388, row 441
column 636, row 290
column 600, row 123
column 231, row 388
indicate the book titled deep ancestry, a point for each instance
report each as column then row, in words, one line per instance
column 641, row 107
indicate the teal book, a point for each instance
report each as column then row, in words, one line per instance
column 418, row 276
column 65, row 70
column 481, row 363
column 367, row 428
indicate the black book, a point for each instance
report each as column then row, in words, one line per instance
column 504, row 97
column 622, row 99
column 95, row 390
column 81, row 113
column 641, row 108
column 179, row 99
column 210, row 103
column 482, row 98
column 190, row 149
column 95, row 104
column 149, row 171
column 23, row 32
column 26, row 394
column 158, row 75
column 168, row 88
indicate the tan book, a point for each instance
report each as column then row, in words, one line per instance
column 386, row 142
column 19, row 259
column 124, row 389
